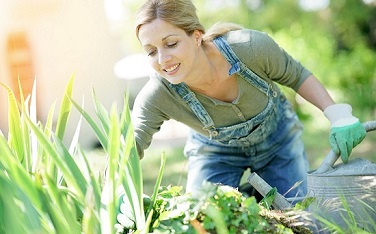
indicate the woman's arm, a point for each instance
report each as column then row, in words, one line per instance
column 313, row 91
column 346, row 131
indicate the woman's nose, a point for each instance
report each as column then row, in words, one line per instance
column 163, row 58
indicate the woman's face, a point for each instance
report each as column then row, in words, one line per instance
column 172, row 53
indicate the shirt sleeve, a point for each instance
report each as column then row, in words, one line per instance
column 147, row 118
column 267, row 59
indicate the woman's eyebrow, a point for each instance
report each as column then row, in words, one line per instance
column 163, row 39
column 171, row 35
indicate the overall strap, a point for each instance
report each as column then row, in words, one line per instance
column 190, row 98
column 238, row 67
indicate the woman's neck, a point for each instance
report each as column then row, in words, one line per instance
column 212, row 77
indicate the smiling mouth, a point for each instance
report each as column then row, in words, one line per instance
column 170, row 69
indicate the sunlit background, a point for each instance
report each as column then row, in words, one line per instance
column 48, row 41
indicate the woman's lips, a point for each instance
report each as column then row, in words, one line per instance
column 172, row 68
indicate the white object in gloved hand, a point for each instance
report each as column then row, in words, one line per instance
column 125, row 215
column 346, row 131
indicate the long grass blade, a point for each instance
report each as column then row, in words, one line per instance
column 90, row 221
column 133, row 183
column 46, row 161
column 113, row 153
column 15, row 137
column 155, row 194
column 24, row 105
column 125, row 120
column 62, row 211
column 70, row 168
column 33, row 139
column 94, row 183
column 98, row 132
column 13, row 219
column 159, row 181
column 101, row 112
column 18, row 174
column 65, row 167
column 74, row 143
column 65, row 109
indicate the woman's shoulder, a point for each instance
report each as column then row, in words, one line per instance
column 154, row 86
column 155, row 89
column 254, row 48
column 246, row 36
column 250, row 42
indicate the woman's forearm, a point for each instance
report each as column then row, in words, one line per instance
column 314, row 92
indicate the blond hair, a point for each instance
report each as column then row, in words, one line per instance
column 180, row 13
column 219, row 29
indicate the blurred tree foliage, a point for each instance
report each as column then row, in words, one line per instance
column 336, row 42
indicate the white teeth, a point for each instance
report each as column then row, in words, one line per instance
column 171, row 68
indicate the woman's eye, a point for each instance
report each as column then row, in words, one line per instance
column 172, row 45
column 151, row 53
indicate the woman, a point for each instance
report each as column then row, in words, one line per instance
column 222, row 84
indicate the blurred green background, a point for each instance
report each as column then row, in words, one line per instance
column 336, row 40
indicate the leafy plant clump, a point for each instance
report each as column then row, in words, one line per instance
column 216, row 209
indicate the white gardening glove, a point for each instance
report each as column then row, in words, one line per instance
column 346, row 131
column 125, row 216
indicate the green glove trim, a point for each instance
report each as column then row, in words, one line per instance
column 344, row 139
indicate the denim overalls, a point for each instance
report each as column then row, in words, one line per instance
column 269, row 143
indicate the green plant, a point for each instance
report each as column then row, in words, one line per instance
column 344, row 215
column 218, row 209
column 43, row 190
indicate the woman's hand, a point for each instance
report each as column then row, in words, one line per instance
column 125, row 216
column 346, row 131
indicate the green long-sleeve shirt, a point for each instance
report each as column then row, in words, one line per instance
column 157, row 102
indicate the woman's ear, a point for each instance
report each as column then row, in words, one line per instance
column 198, row 37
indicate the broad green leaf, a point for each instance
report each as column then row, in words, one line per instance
column 305, row 203
column 216, row 215
column 268, row 200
